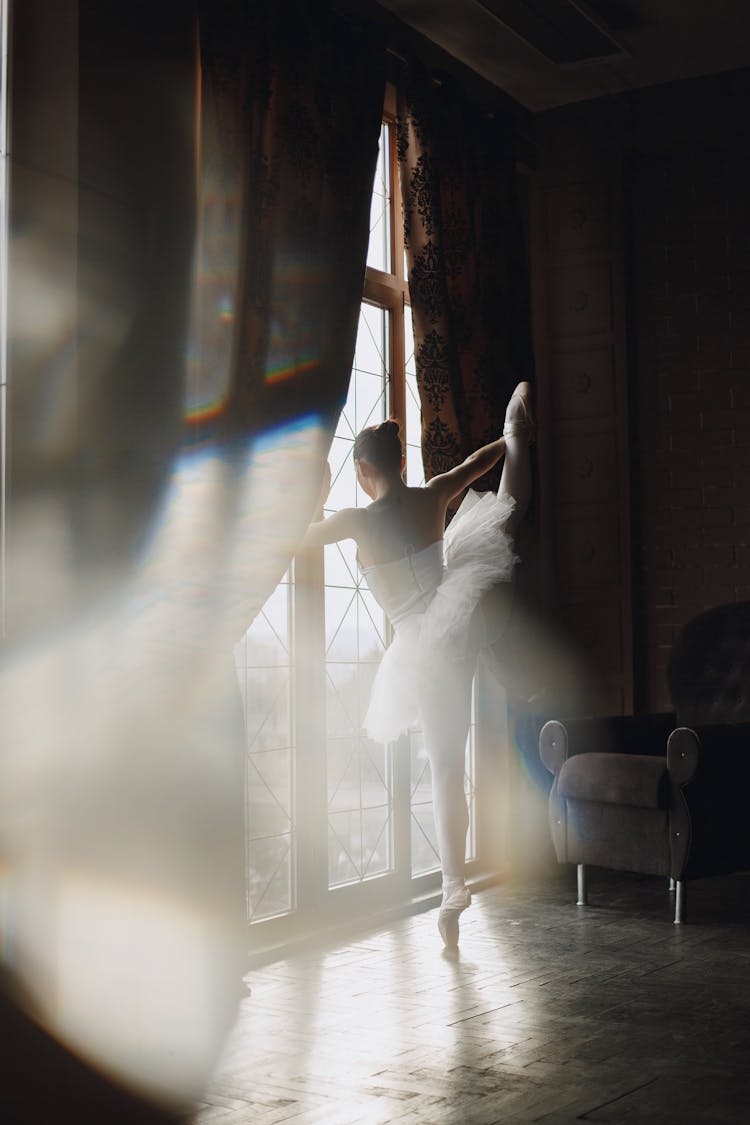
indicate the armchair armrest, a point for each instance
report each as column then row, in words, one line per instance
column 709, row 767
column 553, row 745
column 683, row 750
column 683, row 755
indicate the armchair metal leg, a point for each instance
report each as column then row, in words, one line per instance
column 679, row 902
column 671, row 884
column 583, row 897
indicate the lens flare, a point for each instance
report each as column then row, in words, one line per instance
column 291, row 370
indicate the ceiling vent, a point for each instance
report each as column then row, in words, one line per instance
column 564, row 31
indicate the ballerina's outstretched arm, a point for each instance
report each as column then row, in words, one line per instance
column 513, row 446
column 344, row 524
column 453, row 482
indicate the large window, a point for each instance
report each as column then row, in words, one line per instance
column 332, row 816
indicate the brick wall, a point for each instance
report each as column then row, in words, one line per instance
column 581, row 367
column 689, row 194
column 673, row 165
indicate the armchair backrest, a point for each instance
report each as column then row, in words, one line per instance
column 621, row 734
column 709, row 668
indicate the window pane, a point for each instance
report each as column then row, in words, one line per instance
column 270, row 876
column 424, row 849
column 343, row 492
column 359, row 818
column 360, row 790
column 414, row 465
column 379, row 248
column 340, row 563
column 342, row 641
column 263, row 661
column 370, row 358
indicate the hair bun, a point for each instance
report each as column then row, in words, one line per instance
column 380, row 444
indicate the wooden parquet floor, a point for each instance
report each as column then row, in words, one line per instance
column 549, row 1013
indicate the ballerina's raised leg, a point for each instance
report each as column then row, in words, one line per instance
column 446, row 720
column 518, row 431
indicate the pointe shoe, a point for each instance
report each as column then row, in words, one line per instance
column 517, row 427
column 453, row 905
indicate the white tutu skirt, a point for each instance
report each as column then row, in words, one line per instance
column 478, row 553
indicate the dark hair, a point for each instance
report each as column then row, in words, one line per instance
column 380, row 445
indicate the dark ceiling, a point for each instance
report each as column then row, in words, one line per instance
column 547, row 53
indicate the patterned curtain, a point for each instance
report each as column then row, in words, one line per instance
column 467, row 273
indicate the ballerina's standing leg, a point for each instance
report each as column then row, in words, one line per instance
column 446, row 715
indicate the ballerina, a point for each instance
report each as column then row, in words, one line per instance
column 428, row 580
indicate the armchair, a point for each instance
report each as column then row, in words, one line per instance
column 669, row 794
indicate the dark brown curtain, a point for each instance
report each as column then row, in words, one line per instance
column 295, row 94
column 291, row 102
column 467, row 274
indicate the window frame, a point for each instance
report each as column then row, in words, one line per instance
column 390, row 291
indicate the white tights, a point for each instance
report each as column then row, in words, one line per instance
column 446, row 715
